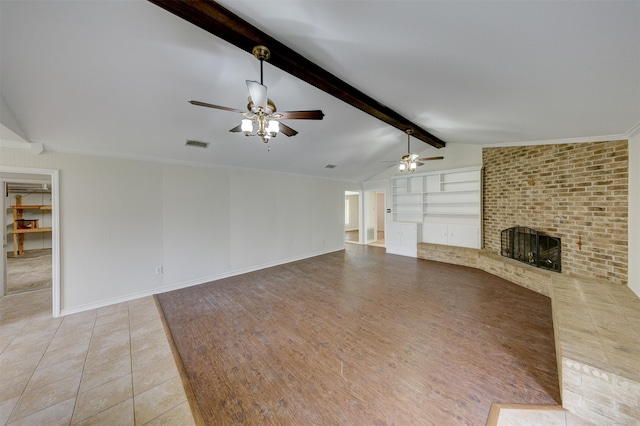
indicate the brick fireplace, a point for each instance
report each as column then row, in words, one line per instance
column 577, row 192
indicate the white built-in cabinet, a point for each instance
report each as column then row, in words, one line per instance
column 447, row 204
column 402, row 238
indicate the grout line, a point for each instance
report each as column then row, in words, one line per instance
column 33, row 372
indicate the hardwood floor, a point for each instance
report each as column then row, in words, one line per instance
column 362, row 337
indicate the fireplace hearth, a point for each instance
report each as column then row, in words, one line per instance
column 531, row 247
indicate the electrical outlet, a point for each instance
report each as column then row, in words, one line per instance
column 158, row 270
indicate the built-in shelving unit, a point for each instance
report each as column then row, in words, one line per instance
column 447, row 203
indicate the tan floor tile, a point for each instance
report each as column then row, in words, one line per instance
column 104, row 373
column 177, row 416
column 109, row 327
column 68, row 337
column 45, row 375
column 100, row 398
column 71, row 328
column 528, row 417
column 114, row 337
column 40, row 398
column 141, row 303
column 139, row 329
column 150, row 356
column 6, row 407
column 85, row 317
column 107, row 353
column 158, row 400
column 12, row 366
column 153, row 374
column 7, row 336
column 17, row 353
column 146, row 314
column 152, row 339
column 58, row 414
column 12, row 388
column 57, row 355
column 111, row 309
column 121, row 414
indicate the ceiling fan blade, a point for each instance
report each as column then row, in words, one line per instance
column 258, row 93
column 302, row 115
column 419, row 163
column 287, row 130
column 204, row 104
column 238, row 128
column 430, row 158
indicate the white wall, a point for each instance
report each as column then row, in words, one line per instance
column 634, row 211
column 354, row 212
column 121, row 219
column 380, row 198
column 370, row 217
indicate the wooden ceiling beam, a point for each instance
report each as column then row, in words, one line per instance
column 221, row 22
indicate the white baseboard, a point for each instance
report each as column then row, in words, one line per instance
column 184, row 284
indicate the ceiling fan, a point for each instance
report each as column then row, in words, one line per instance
column 409, row 162
column 262, row 118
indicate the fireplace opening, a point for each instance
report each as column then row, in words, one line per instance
column 532, row 247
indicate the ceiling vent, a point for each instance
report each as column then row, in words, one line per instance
column 197, row 144
column 330, row 166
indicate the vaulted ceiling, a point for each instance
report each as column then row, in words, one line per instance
column 115, row 78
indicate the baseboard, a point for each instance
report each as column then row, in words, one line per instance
column 184, row 284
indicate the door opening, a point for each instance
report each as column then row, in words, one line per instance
column 374, row 218
column 30, row 219
column 352, row 232
column 29, row 243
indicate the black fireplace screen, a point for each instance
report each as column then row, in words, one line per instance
column 533, row 247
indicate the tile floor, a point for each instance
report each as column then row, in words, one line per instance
column 111, row 365
column 513, row 415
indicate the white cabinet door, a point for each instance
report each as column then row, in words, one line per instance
column 464, row 236
column 402, row 238
column 434, row 233
column 453, row 235
column 393, row 234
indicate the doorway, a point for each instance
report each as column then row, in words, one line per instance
column 374, row 218
column 30, row 208
column 380, row 219
column 352, row 217
column 29, row 243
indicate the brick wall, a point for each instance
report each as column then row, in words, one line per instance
column 577, row 192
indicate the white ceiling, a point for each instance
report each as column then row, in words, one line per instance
column 114, row 77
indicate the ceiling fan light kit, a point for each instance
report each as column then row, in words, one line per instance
column 261, row 119
column 410, row 161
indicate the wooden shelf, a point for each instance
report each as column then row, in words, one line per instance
column 31, row 207
column 30, row 230
column 18, row 232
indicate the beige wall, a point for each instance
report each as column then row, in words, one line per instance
column 578, row 192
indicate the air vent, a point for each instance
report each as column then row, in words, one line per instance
column 197, row 144
column 330, row 166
